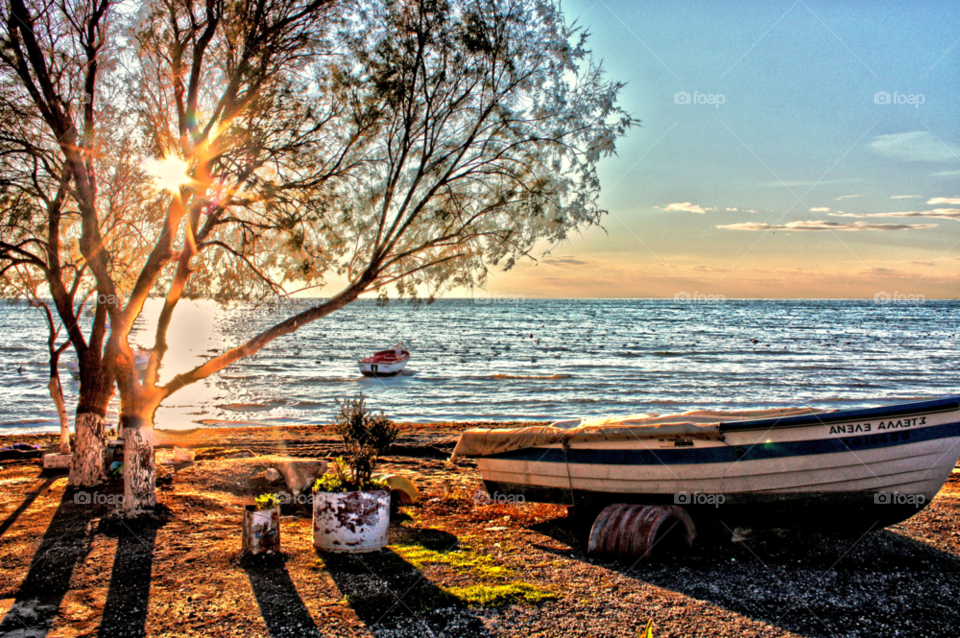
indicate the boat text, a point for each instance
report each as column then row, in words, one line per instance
column 858, row 428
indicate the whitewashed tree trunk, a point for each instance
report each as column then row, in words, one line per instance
column 139, row 472
column 87, row 469
column 57, row 393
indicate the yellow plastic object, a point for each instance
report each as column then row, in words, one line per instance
column 409, row 494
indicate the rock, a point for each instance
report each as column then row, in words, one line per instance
column 57, row 461
column 272, row 475
column 182, row 456
column 299, row 475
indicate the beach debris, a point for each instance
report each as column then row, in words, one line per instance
column 741, row 534
column 403, row 487
column 57, row 461
column 182, row 456
column 634, row 531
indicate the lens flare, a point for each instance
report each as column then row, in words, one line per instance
column 168, row 173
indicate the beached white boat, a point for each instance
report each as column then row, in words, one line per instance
column 141, row 359
column 385, row 363
column 778, row 468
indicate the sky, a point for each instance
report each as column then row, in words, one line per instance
column 795, row 149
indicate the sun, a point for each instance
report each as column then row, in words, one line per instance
column 168, row 173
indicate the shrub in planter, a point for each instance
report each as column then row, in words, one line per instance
column 261, row 525
column 351, row 509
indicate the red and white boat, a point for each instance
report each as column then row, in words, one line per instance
column 386, row 363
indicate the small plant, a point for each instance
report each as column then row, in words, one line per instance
column 337, row 480
column 365, row 437
column 648, row 632
column 267, row 502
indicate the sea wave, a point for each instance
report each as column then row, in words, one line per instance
column 552, row 377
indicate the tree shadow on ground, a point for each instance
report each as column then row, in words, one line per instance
column 31, row 496
column 392, row 597
column 128, row 597
column 280, row 604
column 817, row 585
column 65, row 544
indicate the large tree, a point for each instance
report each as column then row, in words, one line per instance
column 72, row 197
column 409, row 144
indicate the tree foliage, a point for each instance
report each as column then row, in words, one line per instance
column 409, row 144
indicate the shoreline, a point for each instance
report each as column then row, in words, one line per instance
column 293, row 440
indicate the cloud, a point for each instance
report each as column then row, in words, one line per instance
column 564, row 260
column 944, row 200
column 819, row 210
column 822, row 225
column 846, row 197
column 936, row 213
column 945, row 174
column 734, row 209
column 905, row 196
column 915, row 146
column 686, row 207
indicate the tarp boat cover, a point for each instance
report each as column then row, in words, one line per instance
column 700, row 424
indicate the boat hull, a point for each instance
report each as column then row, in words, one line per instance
column 852, row 468
column 382, row 369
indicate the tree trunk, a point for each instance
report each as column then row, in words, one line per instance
column 139, row 472
column 86, row 470
column 96, row 387
column 57, row 393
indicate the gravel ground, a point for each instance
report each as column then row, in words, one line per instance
column 455, row 567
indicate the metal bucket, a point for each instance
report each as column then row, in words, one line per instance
column 351, row 521
column 261, row 530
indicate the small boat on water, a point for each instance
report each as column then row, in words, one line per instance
column 386, row 363
column 802, row 468
column 141, row 359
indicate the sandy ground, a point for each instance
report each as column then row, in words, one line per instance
column 455, row 567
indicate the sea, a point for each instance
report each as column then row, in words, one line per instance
column 515, row 359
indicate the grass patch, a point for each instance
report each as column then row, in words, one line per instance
column 501, row 595
column 492, row 584
column 462, row 560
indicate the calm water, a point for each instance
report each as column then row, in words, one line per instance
column 536, row 359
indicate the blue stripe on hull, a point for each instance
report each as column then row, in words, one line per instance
column 730, row 454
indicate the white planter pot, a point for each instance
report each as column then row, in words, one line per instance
column 351, row 521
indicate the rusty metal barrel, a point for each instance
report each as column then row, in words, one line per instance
column 636, row 531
